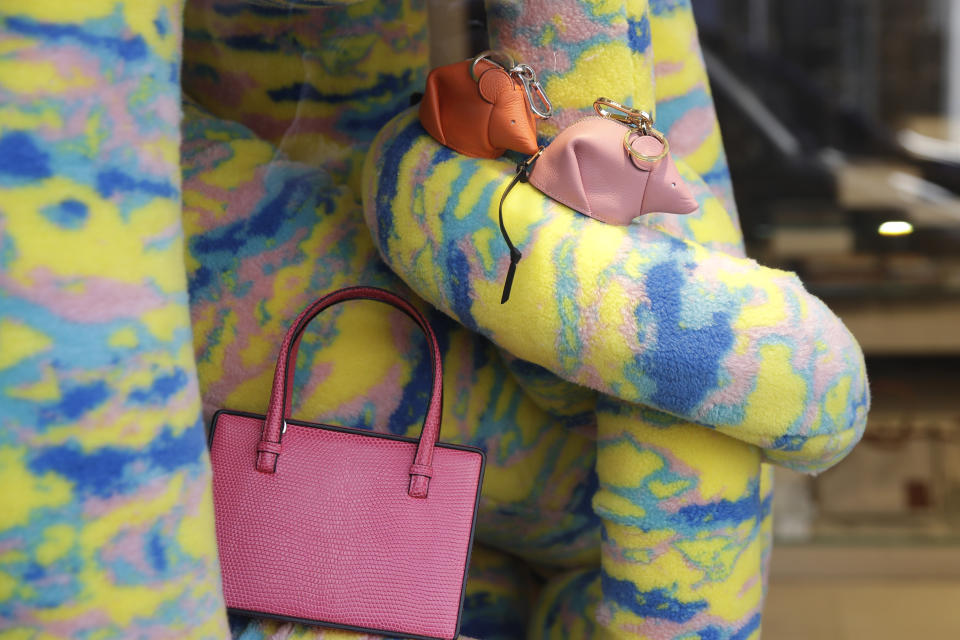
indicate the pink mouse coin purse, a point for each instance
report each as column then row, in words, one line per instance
column 611, row 172
column 612, row 167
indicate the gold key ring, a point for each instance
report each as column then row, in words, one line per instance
column 649, row 132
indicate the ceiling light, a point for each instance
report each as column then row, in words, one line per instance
column 895, row 228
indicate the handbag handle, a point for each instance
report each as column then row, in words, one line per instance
column 268, row 449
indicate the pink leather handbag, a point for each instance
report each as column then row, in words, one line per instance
column 343, row 527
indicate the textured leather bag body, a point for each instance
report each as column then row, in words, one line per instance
column 344, row 527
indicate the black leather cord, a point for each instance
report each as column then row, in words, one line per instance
column 522, row 175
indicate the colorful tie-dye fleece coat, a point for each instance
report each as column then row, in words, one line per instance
column 627, row 395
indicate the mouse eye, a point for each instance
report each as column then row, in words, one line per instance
column 673, row 184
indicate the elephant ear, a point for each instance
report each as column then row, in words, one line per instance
column 493, row 82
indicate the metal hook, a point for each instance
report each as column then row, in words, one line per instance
column 613, row 110
column 539, row 102
column 528, row 78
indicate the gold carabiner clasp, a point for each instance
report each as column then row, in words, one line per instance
column 613, row 110
column 638, row 120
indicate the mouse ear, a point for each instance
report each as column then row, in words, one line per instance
column 493, row 82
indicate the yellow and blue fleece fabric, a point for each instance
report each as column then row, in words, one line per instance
column 625, row 494
column 106, row 522
column 707, row 364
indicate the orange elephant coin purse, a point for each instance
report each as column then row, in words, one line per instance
column 484, row 106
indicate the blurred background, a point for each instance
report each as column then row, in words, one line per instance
column 841, row 120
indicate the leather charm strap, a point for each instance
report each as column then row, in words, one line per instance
column 269, row 447
column 522, row 175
